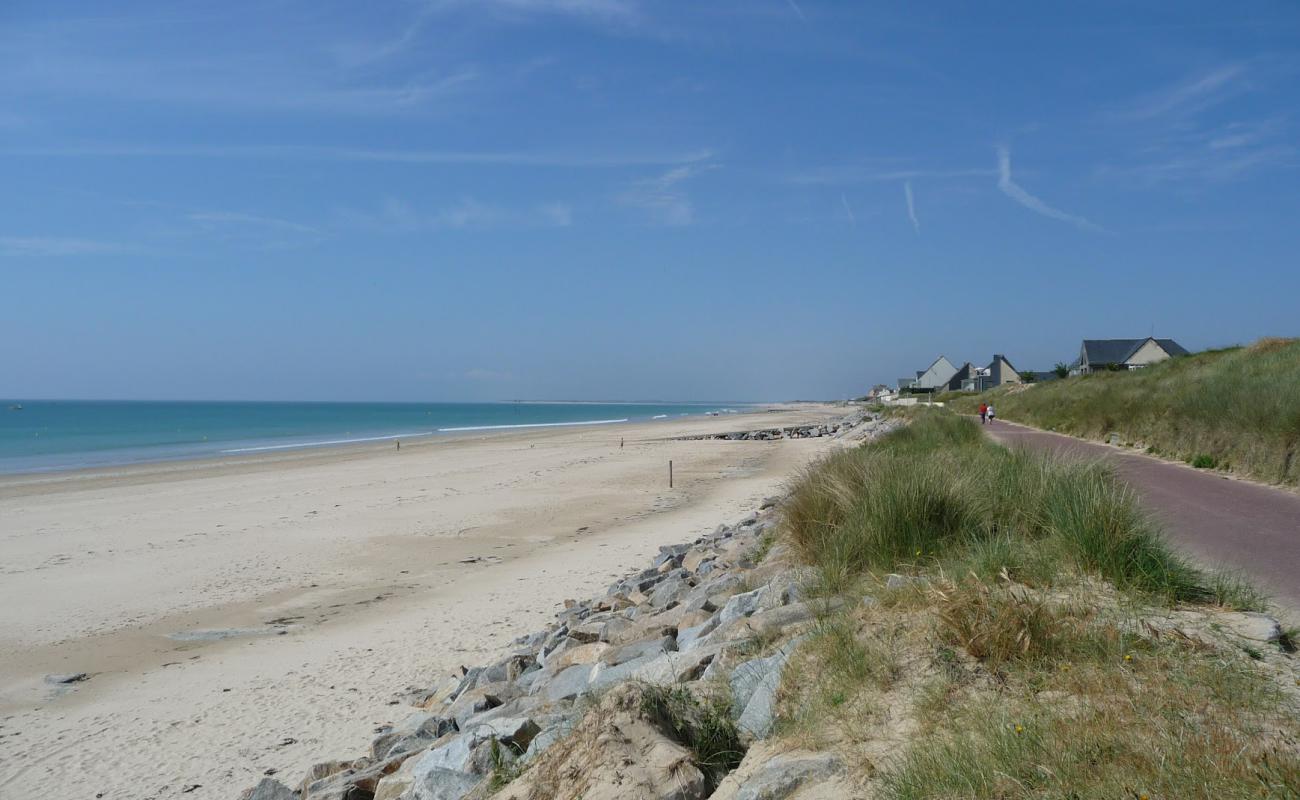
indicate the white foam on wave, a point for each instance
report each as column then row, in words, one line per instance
column 660, row 416
column 331, row 441
column 530, row 425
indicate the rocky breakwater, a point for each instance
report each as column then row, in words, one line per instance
column 856, row 426
column 614, row 698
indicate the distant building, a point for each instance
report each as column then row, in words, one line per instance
column 998, row 372
column 1106, row 354
column 962, row 378
column 935, row 377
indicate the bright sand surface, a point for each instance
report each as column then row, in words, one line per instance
column 238, row 617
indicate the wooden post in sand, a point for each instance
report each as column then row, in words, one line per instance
column 670, row 473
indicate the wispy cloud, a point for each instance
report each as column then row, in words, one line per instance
column 597, row 9
column 911, row 206
column 853, row 173
column 1013, row 190
column 664, row 196
column 56, row 246
column 844, row 201
column 797, row 10
column 254, row 230
column 1193, row 132
column 254, row 220
column 1191, row 95
column 592, row 160
column 468, row 213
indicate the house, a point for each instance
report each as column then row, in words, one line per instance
column 934, row 377
column 1109, row 354
column 998, row 372
column 963, row 375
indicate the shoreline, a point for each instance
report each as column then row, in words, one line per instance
column 425, row 572
column 290, row 453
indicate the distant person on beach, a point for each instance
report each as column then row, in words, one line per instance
column 984, row 413
column 991, row 412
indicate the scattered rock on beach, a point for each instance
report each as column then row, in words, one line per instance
column 64, row 679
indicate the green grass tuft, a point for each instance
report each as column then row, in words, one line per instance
column 701, row 723
column 937, row 492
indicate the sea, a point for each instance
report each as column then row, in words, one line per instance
column 55, row 435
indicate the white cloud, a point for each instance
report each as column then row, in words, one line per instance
column 664, row 196
column 911, row 206
column 797, row 10
column 1013, row 190
column 55, row 246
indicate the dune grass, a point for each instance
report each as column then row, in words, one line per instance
column 1236, row 409
column 1022, row 663
column 935, row 493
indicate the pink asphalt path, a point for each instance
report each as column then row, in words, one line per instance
column 1220, row 522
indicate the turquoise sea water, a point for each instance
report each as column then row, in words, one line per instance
column 49, row 435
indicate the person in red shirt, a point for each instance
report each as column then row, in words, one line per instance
column 984, row 413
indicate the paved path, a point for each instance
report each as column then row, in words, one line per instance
column 1221, row 522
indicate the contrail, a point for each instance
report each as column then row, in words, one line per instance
column 911, row 206
column 1013, row 190
column 795, row 7
column 845, row 202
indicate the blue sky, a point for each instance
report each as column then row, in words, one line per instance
column 624, row 199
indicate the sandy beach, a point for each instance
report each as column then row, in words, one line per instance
column 223, row 608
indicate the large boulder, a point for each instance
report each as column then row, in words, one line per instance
column 753, row 690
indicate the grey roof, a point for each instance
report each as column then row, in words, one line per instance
column 1117, row 351
column 996, row 356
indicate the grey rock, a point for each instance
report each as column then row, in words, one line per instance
column 549, row 736
column 518, row 732
column 689, row 638
column 410, row 734
column 453, row 754
column 604, row 675
column 588, row 632
column 740, row 605
column 668, row 593
column 573, row 681
column 437, row 783
column 268, row 789
column 753, row 690
column 781, row 776
column 635, row 650
column 770, row 502
column 895, row 581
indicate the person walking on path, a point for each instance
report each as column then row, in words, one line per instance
column 991, row 413
column 984, row 413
